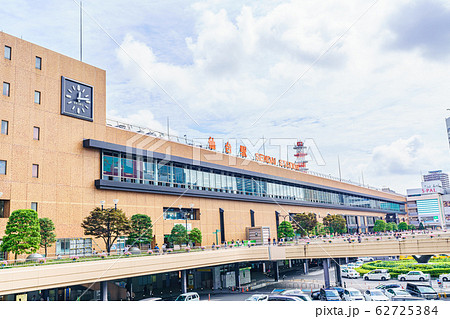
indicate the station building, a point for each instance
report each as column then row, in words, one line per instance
column 61, row 156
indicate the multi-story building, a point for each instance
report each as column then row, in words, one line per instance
column 60, row 156
column 429, row 205
column 437, row 176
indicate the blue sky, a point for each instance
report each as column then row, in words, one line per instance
column 367, row 81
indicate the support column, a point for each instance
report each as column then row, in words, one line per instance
column 104, row 291
column 264, row 267
column 306, row 266
column 276, row 273
column 337, row 273
column 326, row 272
column 290, row 263
column 183, row 281
column 236, row 275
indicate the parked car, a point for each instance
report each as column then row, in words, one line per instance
column 359, row 263
column 414, row 275
column 283, row 298
column 396, row 292
column 377, row 274
column 366, row 259
column 444, row 277
column 189, row 296
column 152, row 299
column 340, row 291
column 297, row 293
column 422, row 291
column 352, row 294
column 329, row 295
column 351, row 266
column 350, row 273
column 257, row 298
column 388, row 286
column 375, row 295
column 315, row 294
column 405, row 298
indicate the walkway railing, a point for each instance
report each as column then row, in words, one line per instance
column 54, row 260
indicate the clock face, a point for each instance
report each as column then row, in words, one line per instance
column 77, row 99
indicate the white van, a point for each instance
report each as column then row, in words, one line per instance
column 190, row 296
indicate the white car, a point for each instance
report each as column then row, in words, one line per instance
column 351, row 266
column 414, row 275
column 375, row 295
column 359, row 263
column 394, row 292
column 377, row 274
column 190, row 296
column 296, row 293
column 350, row 273
column 352, row 294
column 366, row 259
column 444, row 277
column 257, row 298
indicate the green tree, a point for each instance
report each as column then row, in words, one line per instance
column 319, row 230
column 411, row 227
column 107, row 224
column 421, row 226
column 195, row 236
column 178, row 235
column 403, row 226
column 394, row 226
column 304, row 223
column 141, row 231
column 48, row 237
column 285, row 230
column 380, row 226
column 22, row 233
column 388, row 227
column 335, row 223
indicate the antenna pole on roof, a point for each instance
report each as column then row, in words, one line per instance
column 81, row 31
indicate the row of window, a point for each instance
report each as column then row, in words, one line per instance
column 118, row 167
column 7, row 92
column 34, row 170
column 4, row 129
column 37, row 62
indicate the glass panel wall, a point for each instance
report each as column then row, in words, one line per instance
column 117, row 167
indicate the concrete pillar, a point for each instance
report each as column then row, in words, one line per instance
column 290, row 263
column 306, row 266
column 104, row 291
column 183, row 281
column 276, row 273
column 236, row 275
column 337, row 273
column 326, row 272
column 264, row 267
column 346, row 260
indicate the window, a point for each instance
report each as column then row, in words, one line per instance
column 35, row 172
column 4, row 209
column 6, row 88
column 38, row 63
column 7, row 52
column 34, row 206
column 2, row 167
column 37, row 97
column 36, row 133
column 4, row 128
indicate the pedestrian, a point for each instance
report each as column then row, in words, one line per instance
column 269, row 240
column 213, row 245
column 274, row 242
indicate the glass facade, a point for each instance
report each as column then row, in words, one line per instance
column 141, row 170
column 183, row 213
column 74, row 246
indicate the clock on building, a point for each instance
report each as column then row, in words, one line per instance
column 77, row 99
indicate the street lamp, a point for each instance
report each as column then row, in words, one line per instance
column 116, row 201
column 102, row 202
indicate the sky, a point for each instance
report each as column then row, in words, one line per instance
column 365, row 81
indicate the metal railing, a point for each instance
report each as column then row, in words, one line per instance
column 195, row 143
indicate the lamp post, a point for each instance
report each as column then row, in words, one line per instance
column 217, row 237
column 192, row 211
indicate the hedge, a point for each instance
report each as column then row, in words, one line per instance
column 404, row 266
